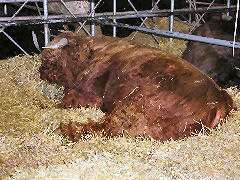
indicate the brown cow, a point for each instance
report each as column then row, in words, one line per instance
column 144, row 91
column 216, row 61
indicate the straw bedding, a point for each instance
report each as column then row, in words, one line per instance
column 30, row 149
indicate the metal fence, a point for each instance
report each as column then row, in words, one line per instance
column 111, row 18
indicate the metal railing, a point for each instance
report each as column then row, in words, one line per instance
column 112, row 17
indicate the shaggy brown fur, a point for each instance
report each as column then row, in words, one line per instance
column 143, row 90
column 216, row 61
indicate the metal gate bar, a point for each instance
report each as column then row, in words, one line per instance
column 114, row 20
column 201, row 17
column 102, row 17
column 175, row 34
column 119, row 15
column 73, row 15
column 11, row 19
column 153, row 8
column 22, row 1
column 143, row 22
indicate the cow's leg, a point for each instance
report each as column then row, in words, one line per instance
column 76, row 99
column 75, row 130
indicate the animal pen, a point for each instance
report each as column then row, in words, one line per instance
column 29, row 114
column 110, row 18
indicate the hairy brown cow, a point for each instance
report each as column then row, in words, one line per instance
column 216, row 61
column 143, row 90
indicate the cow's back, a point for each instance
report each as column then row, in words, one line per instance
column 142, row 90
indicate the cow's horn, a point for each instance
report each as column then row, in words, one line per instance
column 63, row 42
column 226, row 18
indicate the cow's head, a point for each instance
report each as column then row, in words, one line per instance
column 56, row 57
column 57, row 49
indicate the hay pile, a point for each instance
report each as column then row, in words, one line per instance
column 29, row 148
column 176, row 47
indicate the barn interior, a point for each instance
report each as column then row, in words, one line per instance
column 29, row 114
